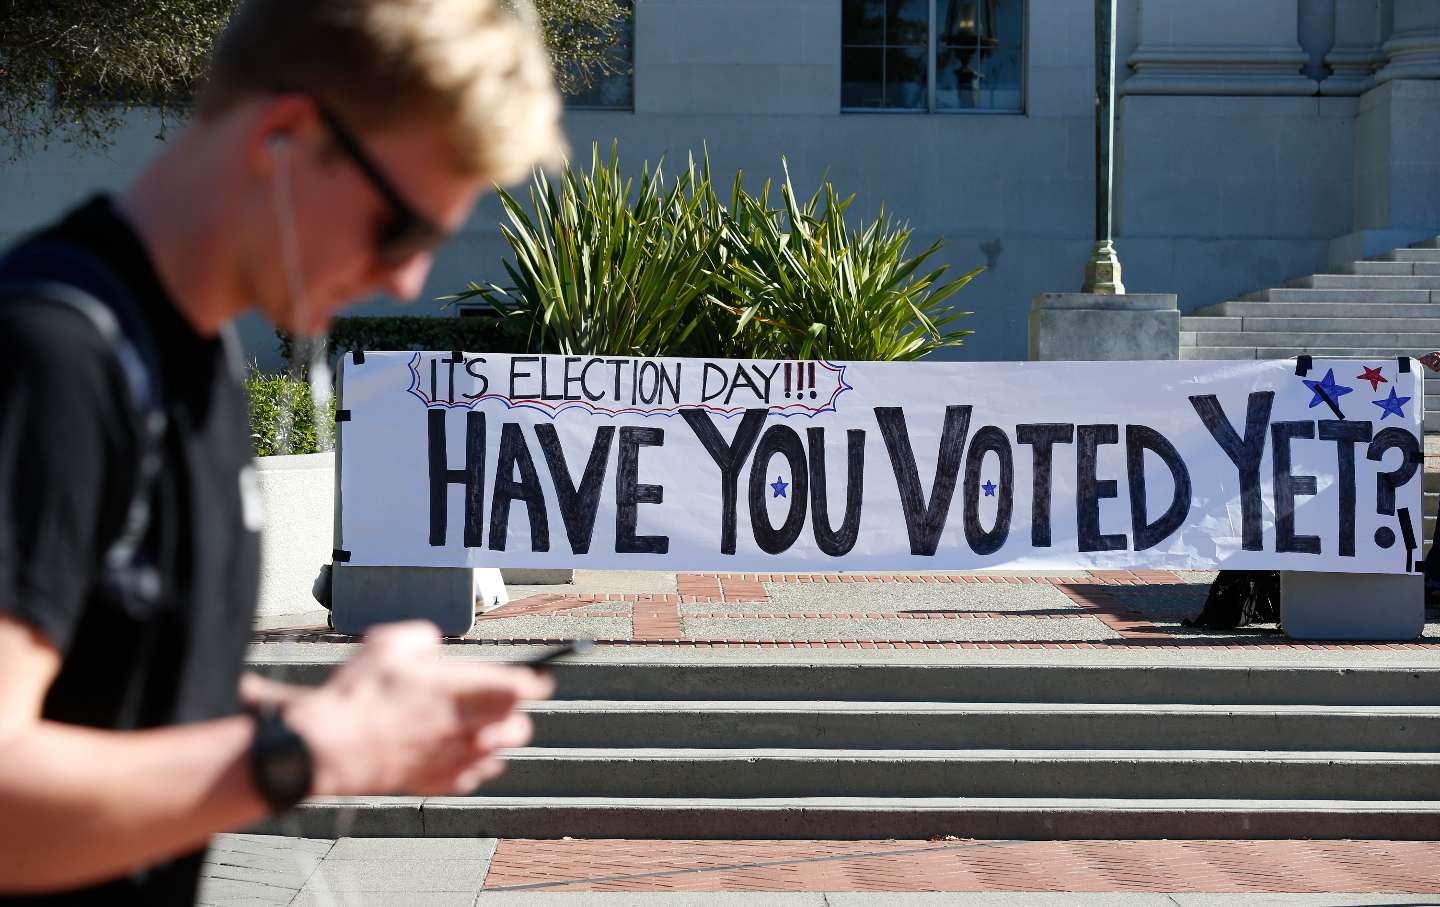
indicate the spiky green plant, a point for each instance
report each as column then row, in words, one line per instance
column 819, row 290
column 612, row 266
column 607, row 265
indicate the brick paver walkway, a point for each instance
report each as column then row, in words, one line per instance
column 1101, row 609
column 967, row 866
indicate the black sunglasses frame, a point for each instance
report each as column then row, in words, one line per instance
column 407, row 232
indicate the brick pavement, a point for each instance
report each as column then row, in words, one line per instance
column 1400, row 867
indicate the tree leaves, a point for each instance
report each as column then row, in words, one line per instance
column 70, row 69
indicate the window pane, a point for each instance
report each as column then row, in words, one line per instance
column 1001, row 78
column 907, row 22
column 863, row 22
column 979, row 60
column 965, row 22
column 905, row 82
column 864, row 77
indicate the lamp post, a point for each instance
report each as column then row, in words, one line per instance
column 1102, row 271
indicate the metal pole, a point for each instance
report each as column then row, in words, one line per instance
column 1102, row 271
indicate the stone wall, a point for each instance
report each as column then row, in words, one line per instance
column 1236, row 170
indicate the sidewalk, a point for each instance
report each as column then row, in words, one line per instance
column 1085, row 617
column 352, row 872
column 1076, row 620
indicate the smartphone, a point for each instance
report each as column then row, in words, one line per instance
column 564, row 650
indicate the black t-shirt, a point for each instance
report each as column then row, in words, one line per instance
column 68, row 445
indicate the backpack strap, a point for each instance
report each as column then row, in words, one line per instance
column 59, row 273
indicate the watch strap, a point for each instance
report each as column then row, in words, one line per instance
column 280, row 762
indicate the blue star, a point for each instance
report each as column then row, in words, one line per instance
column 989, row 487
column 779, row 486
column 1326, row 387
column 1391, row 405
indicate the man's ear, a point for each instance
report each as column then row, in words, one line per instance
column 279, row 145
column 277, row 126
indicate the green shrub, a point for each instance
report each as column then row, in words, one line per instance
column 805, row 287
column 607, row 265
column 614, row 266
column 271, row 397
column 484, row 334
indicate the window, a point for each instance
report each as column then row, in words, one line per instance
column 933, row 55
column 614, row 90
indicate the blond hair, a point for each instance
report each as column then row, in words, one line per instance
column 475, row 66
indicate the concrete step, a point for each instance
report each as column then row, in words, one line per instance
column 1311, row 325
column 1370, row 297
column 911, row 682
column 755, row 772
column 940, row 725
column 1189, row 351
column 1188, row 346
column 1393, row 268
column 1211, row 323
column 1380, row 282
column 859, row 818
column 1310, row 340
column 1429, row 256
column 1319, row 310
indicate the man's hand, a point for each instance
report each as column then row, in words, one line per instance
column 1431, row 361
column 397, row 719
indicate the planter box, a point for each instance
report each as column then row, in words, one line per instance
column 298, row 494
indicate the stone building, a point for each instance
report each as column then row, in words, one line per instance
column 1258, row 141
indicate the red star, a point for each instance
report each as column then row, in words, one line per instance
column 1373, row 376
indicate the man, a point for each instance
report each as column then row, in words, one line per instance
column 336, row 142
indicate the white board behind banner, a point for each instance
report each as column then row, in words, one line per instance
column 691, row 464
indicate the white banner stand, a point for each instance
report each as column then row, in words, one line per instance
column 1378, row 607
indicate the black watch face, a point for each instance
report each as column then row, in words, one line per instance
column 287, row 770
column 283, row 769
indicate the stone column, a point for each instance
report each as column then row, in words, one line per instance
column 1413, row 50
column 1357, row 48
column 1219, row 47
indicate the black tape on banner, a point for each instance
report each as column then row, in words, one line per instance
column 1404, row 363
column 342, row 415
column 456, row 356
column 340, row 554
column 357, row 356
column 1408, row 533
column 1302, row 365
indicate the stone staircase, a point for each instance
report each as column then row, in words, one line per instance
column 1381, row 308
column 881, row 750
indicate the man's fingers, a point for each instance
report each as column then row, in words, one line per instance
column 404, row 638
column 486, row 769
column 496, row 688
column 513, row 731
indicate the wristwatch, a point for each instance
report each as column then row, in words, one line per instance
column 280, row 762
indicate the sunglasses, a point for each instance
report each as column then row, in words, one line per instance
column 405, row 232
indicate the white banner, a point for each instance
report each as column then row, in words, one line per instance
column 690, row 464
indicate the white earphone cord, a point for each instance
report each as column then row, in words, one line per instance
column 306, row 347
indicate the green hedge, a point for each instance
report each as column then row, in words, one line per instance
column 270, row 396
column 484, row 334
